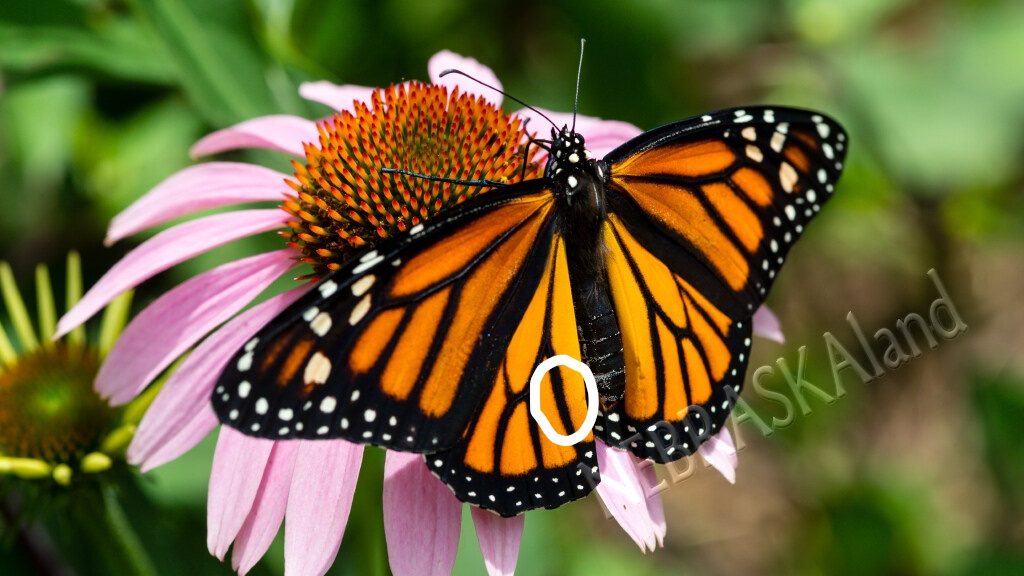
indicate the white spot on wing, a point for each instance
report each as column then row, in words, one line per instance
column 359, row 287
column 754, row 153
column 327, row 288
column 359, row 310
column 328, row 404
column 787, row 176
column 317, row 369
column 321, row 324
column 365, row 264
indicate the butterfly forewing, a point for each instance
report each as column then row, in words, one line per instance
column 505, row 462
column 389, row 349
column 703, row 214
column 734, row 190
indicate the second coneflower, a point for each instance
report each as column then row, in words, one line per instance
column 336, row 203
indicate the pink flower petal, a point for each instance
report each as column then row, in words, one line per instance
column 421, row 518
column 621, row 489
column 720, row 452
column 170, row 247
column 319, row 501
column 655, row 507
column 340, row 98
column 499, row 540
column 180, row 318
column 181, row 415
column 766, row 325
column 198, row 188
column 267, row 512
column 602, row 136
column 237, row 472
column 448, row 60
column 280, row 132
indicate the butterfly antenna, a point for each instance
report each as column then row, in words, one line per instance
column 579, row 73
column 429, row 178
column 499, row 91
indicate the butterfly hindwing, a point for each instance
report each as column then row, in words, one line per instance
column 389, row 349
column 505, row 462
column 685, row 359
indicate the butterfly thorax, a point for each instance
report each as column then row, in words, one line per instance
column 579, row 184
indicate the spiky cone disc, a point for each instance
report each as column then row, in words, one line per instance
column 343, row 202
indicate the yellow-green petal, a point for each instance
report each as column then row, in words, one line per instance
column 62, row 474
column 116, row 442
column 16, row 308
column 73, row 293
column 46, row 305
column 114, row 319
column 96, row 462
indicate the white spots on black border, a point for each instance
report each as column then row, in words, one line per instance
column 328, row 404
column 327, row 287
column 742, row 116
column 368, row 260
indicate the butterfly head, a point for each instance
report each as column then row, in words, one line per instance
column 568, row 153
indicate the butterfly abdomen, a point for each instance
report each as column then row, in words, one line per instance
column 598, row 329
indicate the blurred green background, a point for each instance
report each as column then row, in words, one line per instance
column 919, row 472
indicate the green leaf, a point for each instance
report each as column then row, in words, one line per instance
column 215, row 57
column 117, row 47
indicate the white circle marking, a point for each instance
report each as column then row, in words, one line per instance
column 542, row 419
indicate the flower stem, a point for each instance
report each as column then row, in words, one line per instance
column 123, row 537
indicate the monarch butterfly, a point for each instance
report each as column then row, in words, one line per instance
column 648, row 265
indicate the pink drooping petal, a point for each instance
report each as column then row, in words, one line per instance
column 170, row 247
column 601, row 136
column 280, row 132
column 766, row 325
column 340, row 98
column 720, row 452
column 655, row 507
column 622, row 491
column 499, row 540
column 421, row 518
column 448, row 60
column 196, row 188
column 181, row 415
column 319, row 501
column 180, row 318
column 237, row 473
column 268, row 510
